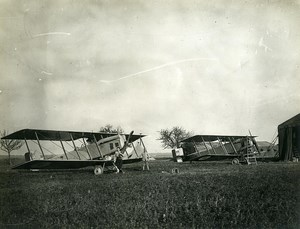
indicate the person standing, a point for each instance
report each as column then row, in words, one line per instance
column 146, row 160
column 119, row 160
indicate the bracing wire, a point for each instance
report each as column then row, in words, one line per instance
column 70, row 152
column 51, row 141
column 69, row 144
column 274, row 139
column 274, row 135
column 53, row 154
column 43, row 148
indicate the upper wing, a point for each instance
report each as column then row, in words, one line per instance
column 57, row 135
column 211, row 138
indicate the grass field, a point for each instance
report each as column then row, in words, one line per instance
column 206, row 195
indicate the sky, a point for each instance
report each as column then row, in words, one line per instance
column 211, row 67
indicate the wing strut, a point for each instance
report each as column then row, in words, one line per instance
column 134, row 149
column 87, row 149
column 196, row 149
column 212, row 147
column 234, row 149
column 97, row 146
column 75, row 148
column 222, row 146
column 37, row 138
column 205, row 145
column 62, row 145
column 27, row 145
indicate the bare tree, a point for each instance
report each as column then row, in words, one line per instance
column 172, row 138
column 108, row 128
column 8, row 145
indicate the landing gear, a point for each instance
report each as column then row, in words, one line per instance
column 235, row 161
column 98, row 170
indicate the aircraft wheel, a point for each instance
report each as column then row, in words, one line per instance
column 235, row 161
column 98, row 170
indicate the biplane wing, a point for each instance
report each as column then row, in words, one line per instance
column 69, row 164
column 57, row 135
column 209, row 156
column 211, row 138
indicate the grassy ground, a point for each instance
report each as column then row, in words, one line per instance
column 206, row 195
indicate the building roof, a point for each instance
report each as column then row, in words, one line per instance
column 294, row 121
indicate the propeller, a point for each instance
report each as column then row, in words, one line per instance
column 126, row 143
column 254, row 141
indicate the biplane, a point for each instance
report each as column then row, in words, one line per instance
column 217, row 147
column 78, row 149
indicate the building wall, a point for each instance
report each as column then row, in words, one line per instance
column 289, row 139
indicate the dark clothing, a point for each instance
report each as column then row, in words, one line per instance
column 27, row 156
column 119, row 163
